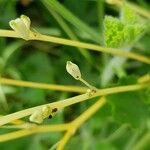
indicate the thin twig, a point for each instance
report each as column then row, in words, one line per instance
column 93, row 47
column 56, row 87
column 70, row 101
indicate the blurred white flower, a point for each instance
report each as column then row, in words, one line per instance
column 21, row 26
column 73, row 70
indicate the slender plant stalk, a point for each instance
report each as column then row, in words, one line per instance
column 71, row 126
column 86, row 83
column 64, row 140
column 145, row 78
column 37, row 129
column 20, row 126
column 112, row 51
column 71, row 101
column 91, row 47
column 78, row 89
column 20, row 83
column 47, row 128
column 89, row 112
column 80, row 120
column 17, row 122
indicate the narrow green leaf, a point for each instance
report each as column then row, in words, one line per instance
column 70, row 17
column 68, row 31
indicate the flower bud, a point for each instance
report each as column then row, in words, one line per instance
column 21, row 26
column 36, row 117
column 39, row 115
column 73, row 70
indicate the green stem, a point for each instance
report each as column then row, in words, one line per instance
column 71, row 101
column 112, row 51
column 86, row 83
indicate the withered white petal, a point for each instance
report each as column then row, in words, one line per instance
column 21, row 26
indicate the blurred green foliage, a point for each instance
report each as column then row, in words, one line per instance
column 121, row 123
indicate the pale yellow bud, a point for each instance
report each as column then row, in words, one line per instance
column 21, row 26
column 36, row 117
column 39, row 115
column 73, row 70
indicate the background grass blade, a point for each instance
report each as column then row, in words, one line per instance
column 66, row 14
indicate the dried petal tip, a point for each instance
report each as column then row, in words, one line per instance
column 21, row 26
column 73, row 70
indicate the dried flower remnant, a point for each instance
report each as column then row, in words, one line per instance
column 39, row 115
column 21, row 26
